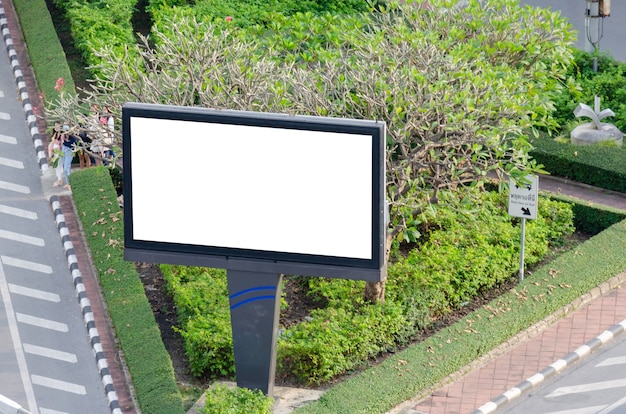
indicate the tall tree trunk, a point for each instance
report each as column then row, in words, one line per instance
column 375, row 291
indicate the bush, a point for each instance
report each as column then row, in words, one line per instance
column 201, row 298
column 223, row 400
column 596, row 165
column 609, row 83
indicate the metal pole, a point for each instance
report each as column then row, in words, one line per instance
column 521, row 250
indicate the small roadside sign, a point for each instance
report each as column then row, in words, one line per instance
column 523, row 198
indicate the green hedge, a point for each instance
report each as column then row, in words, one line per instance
column 596, row 165
column 139, row 336
column 44, row 48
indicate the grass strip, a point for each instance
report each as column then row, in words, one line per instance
column 411, row 372
column 147, row 359
column 44, row 48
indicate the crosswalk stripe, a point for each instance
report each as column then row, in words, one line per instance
column 10, row 235
column 612, row 361
column 5, row 116
column 11, row 163
column 50, row 353
column 34, row 293
column 14, row 187
column 592, row 386
column 58, row 385
column 25, row 264
column 18, row 212
column 41, row 322
column 7, row 139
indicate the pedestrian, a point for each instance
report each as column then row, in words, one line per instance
column 70, row 143
column 55, row 154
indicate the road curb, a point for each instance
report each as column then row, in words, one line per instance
column 23, row 92
column 85, row 306
column 553, row 369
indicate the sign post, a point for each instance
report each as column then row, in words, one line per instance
column 523, row 203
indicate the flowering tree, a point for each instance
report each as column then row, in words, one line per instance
column 458, row 84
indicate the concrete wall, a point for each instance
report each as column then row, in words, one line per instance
column 614, row 39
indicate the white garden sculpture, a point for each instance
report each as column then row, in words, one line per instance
column 595, row 131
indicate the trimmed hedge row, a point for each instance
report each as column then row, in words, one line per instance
column 139, row 336
column 44, row 48
column 596, row 165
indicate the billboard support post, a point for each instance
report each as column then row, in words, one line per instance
column 254, row 313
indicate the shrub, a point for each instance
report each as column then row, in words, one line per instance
column 221, row 399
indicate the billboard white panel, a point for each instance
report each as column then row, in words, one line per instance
column 253, row 186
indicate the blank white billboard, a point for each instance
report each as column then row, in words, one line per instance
column 253, row 186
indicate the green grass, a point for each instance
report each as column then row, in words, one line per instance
column 147, row 359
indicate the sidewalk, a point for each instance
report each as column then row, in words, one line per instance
column 542, row 350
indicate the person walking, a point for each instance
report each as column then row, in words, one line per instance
column 55, row 154
column 68, row 148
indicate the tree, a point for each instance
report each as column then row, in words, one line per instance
column 459, row 84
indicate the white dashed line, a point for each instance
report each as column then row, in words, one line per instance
column 58, row 385
column 18, row 212
column 50, row 353
column 19, row 237
column 34, row 293
column 14, row 187
column 41, row 322
column 25, row 264
column 11, row 163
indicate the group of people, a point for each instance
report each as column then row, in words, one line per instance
column 93, row 144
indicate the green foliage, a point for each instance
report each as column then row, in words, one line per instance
column 201, row 298
column 337, row 340
column 147, row 359
column 44, row 49
column 596, row 165
column 221, row 399
column 473, row 252
column 608, row 83
column 101, row 29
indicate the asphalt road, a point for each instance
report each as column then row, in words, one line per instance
column 47, row 364
column 595, row 386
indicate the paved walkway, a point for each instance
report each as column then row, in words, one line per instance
column 564, row 337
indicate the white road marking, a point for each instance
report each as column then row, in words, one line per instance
column 25, row 264
column 50, row 353
column 18, row 212
column 592, row 386
column 15, row 336
column 19, row 237
column 34, row 293
column 7, row 139
column 11, row 163
column 1, row 94
column 584, row 410
column 613, row 406
column 41, row 322
column 5, row 116
column 14, row 187
column 612, row 361
column 58, row 385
